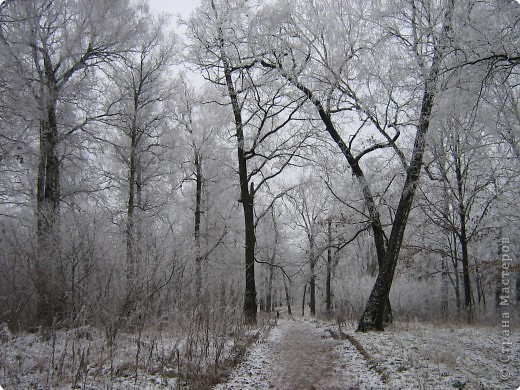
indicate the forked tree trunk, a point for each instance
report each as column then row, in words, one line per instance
column 370, row 204
column 462, row 236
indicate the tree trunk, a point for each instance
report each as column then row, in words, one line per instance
column 198, row 212
column 250, row 306
column 480, row 287
column 373, row 315
column 454, row 253
column 303, row 299
column 130, row 224
column 457, row 289
column 468, row 299
column 328, row 292
column 444, row 289
column 312, row 279
column 312, row 285
column 287, row 296
column 444, row 262
column 246, row 196
column 463, row 238
column 48, row 199
column 269, row 295
column 368, row 198
column 50, row 291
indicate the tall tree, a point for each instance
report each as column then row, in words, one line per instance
column 260, row 110
column 51, row 48
column 138, row 104
column 468, row 174
column 373, row 314
column 336, row 78
column 202, row 121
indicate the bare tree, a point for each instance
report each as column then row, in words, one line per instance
column 345, row 84
column 205, row 160
column 470, row 180
column 260, row 110
column 51, row 49
column 311, row 207
column 138, row 105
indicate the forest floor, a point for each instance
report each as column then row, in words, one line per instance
column 294, row 354
column 300, row 354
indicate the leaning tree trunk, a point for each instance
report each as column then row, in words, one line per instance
column 368, row 198
column 373, row 315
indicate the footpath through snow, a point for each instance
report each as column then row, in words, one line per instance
column 298, row 355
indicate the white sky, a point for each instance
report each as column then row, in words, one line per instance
column 174, row 7
column 184, row 7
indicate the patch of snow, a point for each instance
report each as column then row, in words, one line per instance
column 424, row 356
column 301, row 354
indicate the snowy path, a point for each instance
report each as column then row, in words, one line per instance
column 297, row 355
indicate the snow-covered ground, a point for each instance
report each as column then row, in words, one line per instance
column 295, row 354
column 81, row 359
column 299, row 355
column 303, row 355
column 424, row 356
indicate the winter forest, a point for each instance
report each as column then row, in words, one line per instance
column 175, row 190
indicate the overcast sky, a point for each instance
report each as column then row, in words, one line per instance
column 184, row 7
